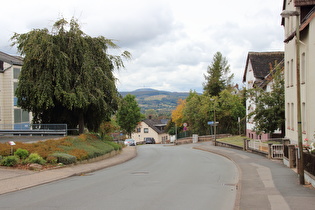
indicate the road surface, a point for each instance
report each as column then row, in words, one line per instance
column 160, row 177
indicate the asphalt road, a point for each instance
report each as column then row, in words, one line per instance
column 160, row 177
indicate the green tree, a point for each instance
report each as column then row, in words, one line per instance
column 230, row 107
column 196, row 113
column 67, row 76
column 151, row 113
column 269, row 112
column 129, row 115
column 217, row 78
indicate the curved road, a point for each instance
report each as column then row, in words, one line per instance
column 160, row 177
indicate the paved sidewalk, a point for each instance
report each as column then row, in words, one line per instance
column 264, row 183
column 15, row 179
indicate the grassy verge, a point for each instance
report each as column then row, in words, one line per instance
column 85, row 146
column 235, row 140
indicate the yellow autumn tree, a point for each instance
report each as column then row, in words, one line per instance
column 177, row 114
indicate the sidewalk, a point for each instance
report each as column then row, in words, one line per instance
column 264, row 183
column 12, row 180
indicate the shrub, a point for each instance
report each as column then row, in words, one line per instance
column 21, row 153
column 5, row 149
column 51, row 159
column 115, row 145
column 10, row 161
column 80, row 154
column 65, row 158
column 35, row 158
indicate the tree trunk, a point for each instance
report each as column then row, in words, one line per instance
column 81, row 123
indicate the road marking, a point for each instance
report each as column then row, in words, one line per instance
column 277, row 202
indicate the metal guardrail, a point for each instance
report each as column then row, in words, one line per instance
column 33, row 129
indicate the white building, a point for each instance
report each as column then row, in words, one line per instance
column 11, row 116
column 257, row 70
column 306, row 9
column 151, row 128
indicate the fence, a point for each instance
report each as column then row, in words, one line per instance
column 33, row 129
column 277, row 151
column 258, row 145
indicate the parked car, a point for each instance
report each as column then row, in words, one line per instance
column 130, row 142
column 149, row 140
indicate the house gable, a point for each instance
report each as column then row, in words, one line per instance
column 151, row 128
column 11, row 60
column 262, row 63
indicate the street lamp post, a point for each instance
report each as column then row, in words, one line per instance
column 214, row 124
column 286, row 14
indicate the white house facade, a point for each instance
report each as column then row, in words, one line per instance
column 257, row 70
column 306, row 25
column 151, row 128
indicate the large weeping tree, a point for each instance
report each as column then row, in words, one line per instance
column 67, row 76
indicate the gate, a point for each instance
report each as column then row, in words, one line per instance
column 277, row 151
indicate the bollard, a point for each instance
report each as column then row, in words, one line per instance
column 245, row 144
column 291, row 154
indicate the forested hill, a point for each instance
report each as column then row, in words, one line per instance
column 160, row 101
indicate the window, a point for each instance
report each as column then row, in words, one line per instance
column 291, row 73
column 138, row 130
column 146, row 130
column 15, row 98
column 303, row 117
column 21, row 116
column 287, row 74
column 16, row 73
column 288, row 112
column 303, row 69
column 292, row 116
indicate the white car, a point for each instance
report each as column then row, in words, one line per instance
column 130, row 142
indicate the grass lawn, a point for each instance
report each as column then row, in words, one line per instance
column 236, row 140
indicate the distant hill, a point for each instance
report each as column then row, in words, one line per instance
column 160, row 101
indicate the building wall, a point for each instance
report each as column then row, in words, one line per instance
column 249, row 105
column 307, row 77
column 139, row 136
column 7, row 95
column 8, row 106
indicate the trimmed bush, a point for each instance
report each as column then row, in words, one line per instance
column 35, row 158
column 10, row 161
column 65, row 158
column 21, row 153
column 51, row 159
column 115, row 145
column 80, row 154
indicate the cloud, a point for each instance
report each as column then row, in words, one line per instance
column 172, row 42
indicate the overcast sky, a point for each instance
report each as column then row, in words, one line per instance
column 171, row 41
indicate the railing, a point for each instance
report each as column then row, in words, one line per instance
column 33, row 129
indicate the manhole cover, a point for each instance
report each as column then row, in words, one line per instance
column 140, row 172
